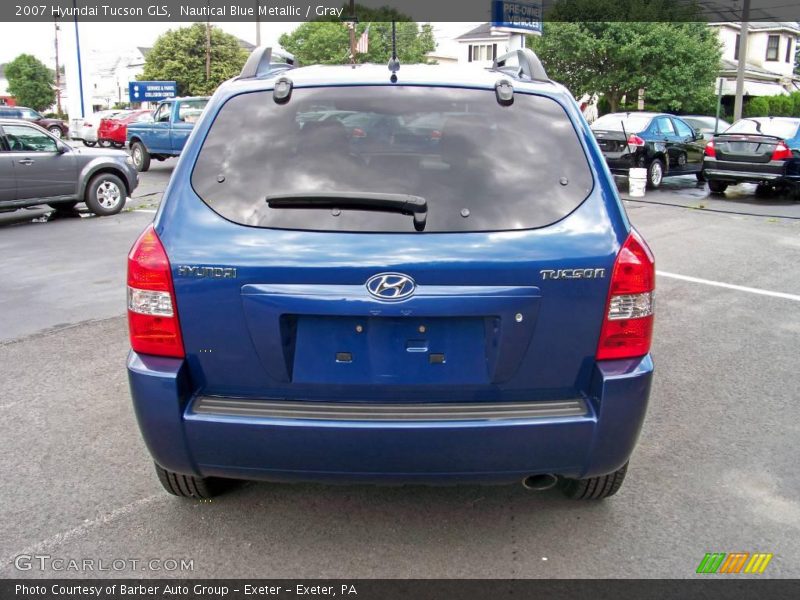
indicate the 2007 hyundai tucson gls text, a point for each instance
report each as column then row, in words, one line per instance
column 445, row 290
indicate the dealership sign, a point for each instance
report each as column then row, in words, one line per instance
column 517, row 17
column 151, row 91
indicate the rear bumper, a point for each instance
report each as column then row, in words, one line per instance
column 484, row 443
column 746, row 172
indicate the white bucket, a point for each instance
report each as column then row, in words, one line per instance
column 637, row 180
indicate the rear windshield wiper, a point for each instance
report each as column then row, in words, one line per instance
column 406, row 204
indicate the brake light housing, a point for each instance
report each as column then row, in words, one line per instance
column 781, row 152
column 709, row 150
column 152, row 313
column 635, row 140
column 627, row 329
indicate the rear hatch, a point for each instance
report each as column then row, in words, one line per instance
column 300, row 275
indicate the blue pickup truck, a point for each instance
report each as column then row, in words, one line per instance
column 164, row 136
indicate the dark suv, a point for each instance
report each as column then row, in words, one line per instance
column 56, row 127
column 470, row 306
column 663, row 144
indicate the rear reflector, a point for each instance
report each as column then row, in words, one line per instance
column 628, row 324
column 709, row 150
column 152, row 319
column 781, row 152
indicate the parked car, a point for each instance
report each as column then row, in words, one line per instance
column 305, row 307
column 663, row 144
column 87, row 130
column 56, row 127
column 707, row 126
column 760, row 150
column 114, row 130
column 38, row 168
column 166, row 134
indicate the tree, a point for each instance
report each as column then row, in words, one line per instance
column 327, row 41
column 675, row 59
column 31, row 82
column 180, row 55
column 756, row 107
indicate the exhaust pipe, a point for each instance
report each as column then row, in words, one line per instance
column 539, row 483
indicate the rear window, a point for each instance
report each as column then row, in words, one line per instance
column 478, row 165
column 615, row 122
column 780, row 128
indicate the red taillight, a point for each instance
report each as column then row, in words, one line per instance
column 709, row 150
column 781, row 152
column 628, row 323
column 152, row 316
column 359, row 133
column 635, row 140
column 436, row 134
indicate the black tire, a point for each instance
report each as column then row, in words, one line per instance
column 62, row 205
column 189, row 486
column 89, row 144
column 106, row 194
column 140, row 156
column 717, row 187
column 118, row 144
column 56, row 131
column 701, row 177
column 594, row 488
column 655, row 174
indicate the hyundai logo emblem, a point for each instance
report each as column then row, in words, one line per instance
column 390, row 286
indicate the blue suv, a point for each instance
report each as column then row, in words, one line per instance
column 446, row 290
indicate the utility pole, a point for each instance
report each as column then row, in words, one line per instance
column 258, row 23
column 208, row 51
column 352, row 24
column 737, row 102
column 58, row 71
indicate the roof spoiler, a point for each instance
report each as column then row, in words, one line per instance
column 527, row 64
column 263, row 61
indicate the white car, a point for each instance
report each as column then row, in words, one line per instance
column 86, row 129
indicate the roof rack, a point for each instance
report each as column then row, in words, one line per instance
column 527, row 64
column 262, row 62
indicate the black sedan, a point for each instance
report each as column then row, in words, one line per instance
column 663, row 144
column 760, row 150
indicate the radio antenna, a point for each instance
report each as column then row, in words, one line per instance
column 394, row 63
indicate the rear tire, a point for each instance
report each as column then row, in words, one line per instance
column 717, row 187
column 89, row 144
column 594, row 488
column 106, row 194
column 56, row 131
column 189, row 486
column 701, row 178
column 140, row 156
column 655, row 174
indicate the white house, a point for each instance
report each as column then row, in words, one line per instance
column 769, row 68
column 482, row 45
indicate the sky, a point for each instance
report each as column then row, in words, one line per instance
column 38, row 38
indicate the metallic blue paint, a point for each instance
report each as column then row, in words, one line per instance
column 298, row 297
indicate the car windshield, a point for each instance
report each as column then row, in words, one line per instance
column 632, row 123
column 479, row 165
column 782, row 128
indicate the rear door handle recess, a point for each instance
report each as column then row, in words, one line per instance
column 26, row 161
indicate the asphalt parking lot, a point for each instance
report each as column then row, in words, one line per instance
column 715, row 469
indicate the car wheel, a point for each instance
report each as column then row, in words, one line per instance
column 62, row 205
column 655, row 174
column 717, row 187
column 594, row 488
column 189, row 486
column 117, row 144
column 104, row 143
column 701, row 177
column 105, row 194
column 140, row 156
column 90, row 144
column 56, row 131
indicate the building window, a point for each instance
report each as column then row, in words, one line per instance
column 736, row 47
column 789, row 50
column 482, row 52
column 773, row 44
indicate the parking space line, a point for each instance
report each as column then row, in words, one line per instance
column 730, row 286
